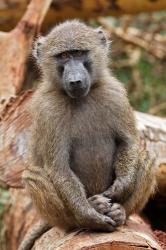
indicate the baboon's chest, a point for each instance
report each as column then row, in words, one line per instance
column 91, row 160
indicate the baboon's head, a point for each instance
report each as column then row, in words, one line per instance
column 72, row 57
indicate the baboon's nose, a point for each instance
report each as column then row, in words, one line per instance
column 75, row 84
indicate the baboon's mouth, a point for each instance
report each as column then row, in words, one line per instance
column 78, row 92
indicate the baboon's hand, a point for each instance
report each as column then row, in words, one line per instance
column 104, row 206
column 96, row 221
column 100, row 203
column 120, row 190
column 117, row 214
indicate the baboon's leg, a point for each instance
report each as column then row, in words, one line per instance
column 46, row 199
column 145, row 184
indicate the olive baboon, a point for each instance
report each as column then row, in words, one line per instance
column 86, row 166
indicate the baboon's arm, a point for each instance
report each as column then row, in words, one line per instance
column 125, row 166
column 126, row 156
column 72, row 194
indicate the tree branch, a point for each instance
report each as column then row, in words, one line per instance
column 61, row 9
column 15, row 47
column 154, row 44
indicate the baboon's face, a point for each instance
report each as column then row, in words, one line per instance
column 72, row 57
column 74, row 69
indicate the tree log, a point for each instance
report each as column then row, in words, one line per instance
column 18, row 219
column 161, row 180
column 11, row 11
column 15, row 47
column 14, row 129
column 135, row 235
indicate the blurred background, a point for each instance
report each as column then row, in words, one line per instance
column 137, row 58
column 143, row 73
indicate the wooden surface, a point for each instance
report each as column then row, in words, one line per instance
column 16, row 46
column 135, row 235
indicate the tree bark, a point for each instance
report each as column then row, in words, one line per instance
column 11, row 11
column 15, row 47
column 161, row 180
column 135, row 235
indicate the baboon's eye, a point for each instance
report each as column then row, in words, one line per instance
column 78, row 53
column 64, row 55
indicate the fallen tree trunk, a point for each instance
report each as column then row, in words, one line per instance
column 13, row 10
column 17, row 43
column 14, row 129
column 135, row 235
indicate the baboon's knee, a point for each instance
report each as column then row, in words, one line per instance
column 45, row 197
column 145, row 184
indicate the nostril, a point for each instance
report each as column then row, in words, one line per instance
column 75, row 83
column 78, row 82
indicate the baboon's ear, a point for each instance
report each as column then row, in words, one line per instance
column 37, row 46
column 103, row 36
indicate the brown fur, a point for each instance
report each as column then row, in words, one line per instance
column 85, row 151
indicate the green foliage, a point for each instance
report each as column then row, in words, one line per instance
column 144, row 76
column 4, row 201
column 152, row 89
